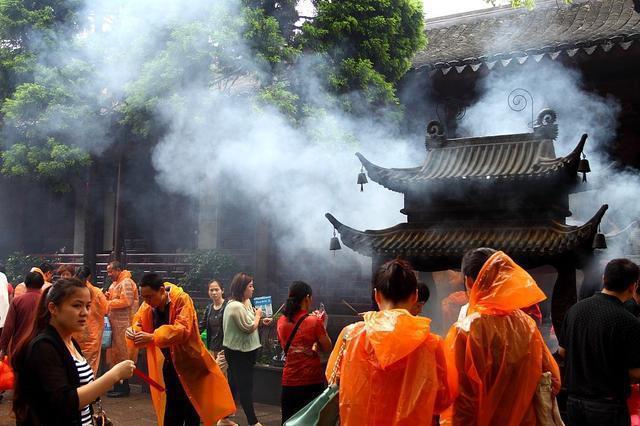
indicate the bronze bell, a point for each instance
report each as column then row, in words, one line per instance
column 362, row 179
column 599, row 242
column 334, row 244
column 583, row 167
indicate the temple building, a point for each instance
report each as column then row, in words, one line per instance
column 507, row 192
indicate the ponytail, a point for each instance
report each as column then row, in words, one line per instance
column 297, row 292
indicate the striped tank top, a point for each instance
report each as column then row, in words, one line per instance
column 86, row 376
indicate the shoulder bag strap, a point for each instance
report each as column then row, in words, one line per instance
column 293, row 333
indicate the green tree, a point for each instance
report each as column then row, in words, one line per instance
column 370, row 44
column 42, row 99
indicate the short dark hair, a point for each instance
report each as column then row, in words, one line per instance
column 83, row 273
column 474, row 260
column 423, row 292
column 46, row 267
column 34, row 280
column 395, row 280
column 115, row 265
column 619, row 274
column 152, row 280
column 239, row 284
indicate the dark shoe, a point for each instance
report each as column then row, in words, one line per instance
column 120, row 390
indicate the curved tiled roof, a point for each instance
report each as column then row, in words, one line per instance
column 505, row 35
column 496, row 158
column 531, row 242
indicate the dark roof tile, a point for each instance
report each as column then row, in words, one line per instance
column 488, row 36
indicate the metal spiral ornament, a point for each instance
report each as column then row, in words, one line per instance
column 519, row 99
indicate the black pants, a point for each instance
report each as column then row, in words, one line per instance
column 294, row 398
column 178, row 410
column 241, row 369
column 585, row 412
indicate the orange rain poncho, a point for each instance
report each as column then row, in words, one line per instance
column 393, row 371
column 201, row 378
column 90, row 339
column 496, row 355
column 123, row 303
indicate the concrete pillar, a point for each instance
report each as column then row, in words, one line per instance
column 109, row 220
column 208, row 220
column 79, row 223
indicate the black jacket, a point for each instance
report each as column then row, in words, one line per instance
column 204, row 325
column 50, row 381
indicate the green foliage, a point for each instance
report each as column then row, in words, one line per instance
column 370, row 43
column 18, row 265
column 280, row 96
column 206, row 265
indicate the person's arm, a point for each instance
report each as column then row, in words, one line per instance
column 178, row 332
column 466, row 403
column 562, row 352
column 324, row 342
column 8, row 330
column 136, row 326
column 333, row 358
column 92, row 391
column 444, row 397
column 238, row 315
column 126, row 297
column 205, row 319
column 99, row 302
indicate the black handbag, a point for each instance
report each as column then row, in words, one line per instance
column 99, row 416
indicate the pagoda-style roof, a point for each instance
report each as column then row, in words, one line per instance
column 441, row 246
column 501, row 36
column 485, row 160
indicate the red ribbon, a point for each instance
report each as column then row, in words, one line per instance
column 148, row 379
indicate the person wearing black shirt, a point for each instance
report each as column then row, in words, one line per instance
column 600, row 341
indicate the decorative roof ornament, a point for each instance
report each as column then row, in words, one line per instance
column 546, row 124
column 435, row 137
column 518, row 100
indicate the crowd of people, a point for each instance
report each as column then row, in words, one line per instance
column 491, row 368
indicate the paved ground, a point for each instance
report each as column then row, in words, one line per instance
column 136, row 410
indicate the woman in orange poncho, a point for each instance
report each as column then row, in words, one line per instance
column 193, row 370
column 393, row 370
column 496, row 354
column 90, row 339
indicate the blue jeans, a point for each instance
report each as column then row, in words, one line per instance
column 587, row 412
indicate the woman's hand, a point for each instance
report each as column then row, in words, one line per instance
column 123, row 370
column 258, row 313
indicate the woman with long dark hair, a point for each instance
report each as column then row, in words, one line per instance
column 301, row 334
column 241, row 340
column 54, row 382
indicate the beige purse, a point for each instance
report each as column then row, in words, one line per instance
column 545, row 403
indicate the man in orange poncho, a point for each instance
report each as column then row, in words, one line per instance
column 498, row 352
column 393, row 370
column 123, row 303
column 167, row 326
column 90, row 339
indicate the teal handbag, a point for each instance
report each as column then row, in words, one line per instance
column 324, row 410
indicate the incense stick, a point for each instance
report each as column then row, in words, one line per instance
column 278, row 311
column 350, row 307
column 148, row 379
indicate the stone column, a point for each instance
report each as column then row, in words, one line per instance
column 208, row 220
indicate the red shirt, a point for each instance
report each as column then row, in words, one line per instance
column 303, row 365
column 19, row 319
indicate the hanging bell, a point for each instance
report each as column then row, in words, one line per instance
column 334, row 244
column 362, row 179
column 599, row 242
column 583, row 167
